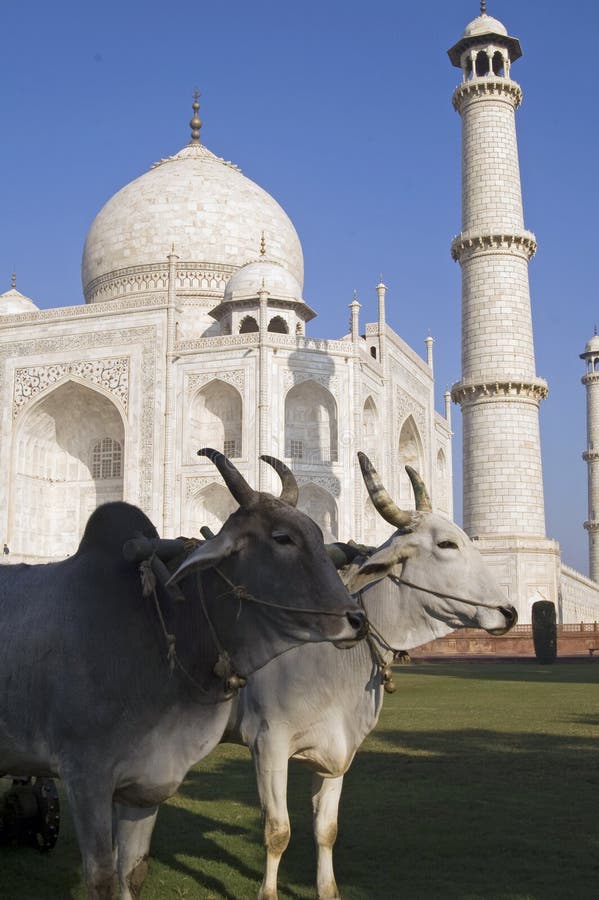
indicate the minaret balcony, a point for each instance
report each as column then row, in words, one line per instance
column 465, row 393
column 590, row 455
column 487, row 86
column 469, row 243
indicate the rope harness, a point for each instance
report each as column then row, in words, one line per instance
column 153, row 570
column 376, row 640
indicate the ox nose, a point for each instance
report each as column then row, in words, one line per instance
column 511, row 616
column 358, row 622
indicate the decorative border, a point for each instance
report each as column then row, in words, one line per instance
column 469, row 243
column 196, row 380
column 485, row 86
column 111, row 374
column 466, row 393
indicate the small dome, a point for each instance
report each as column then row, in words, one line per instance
column 593, row 345
column 484, row 24
column 12, row 303
column 278, row 281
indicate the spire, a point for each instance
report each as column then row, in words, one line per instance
column 483, row 7
column 195, row 123
column 262, row 245
column 13, row 284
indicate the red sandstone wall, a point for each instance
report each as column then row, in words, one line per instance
column 572, row 640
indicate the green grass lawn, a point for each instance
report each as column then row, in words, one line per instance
column 481, row 782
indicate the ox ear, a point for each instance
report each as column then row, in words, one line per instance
column 382, row 562
column 207, row 555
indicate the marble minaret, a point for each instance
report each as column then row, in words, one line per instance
column 591, row 454
column 499, row 392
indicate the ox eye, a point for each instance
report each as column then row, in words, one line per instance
column 447, row 545
column 281, row 537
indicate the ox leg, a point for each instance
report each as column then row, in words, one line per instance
column 134, row 826
column 91, row 809
column 326, row 793
column 271, row 772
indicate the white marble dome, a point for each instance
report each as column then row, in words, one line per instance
column 12, row 303
column 212, row 214
column 278, row 281
column 484, row 24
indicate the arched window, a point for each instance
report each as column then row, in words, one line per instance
column 498, row 63
column 311, row 424
column 107, row 459
column 482, row 63
column 248, row 323
column 373, row 352
column 278, row 325
column 216, row 419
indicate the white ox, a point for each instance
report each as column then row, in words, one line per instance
column 317, row 705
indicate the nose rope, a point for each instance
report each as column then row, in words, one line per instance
column 442, row 594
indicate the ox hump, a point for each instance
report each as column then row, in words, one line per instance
column 112, row 524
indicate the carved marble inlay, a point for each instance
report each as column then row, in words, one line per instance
column 111, row 374
column 330, row 484
column 195, row 483
column 236, row 377
column 292, row 377
column 406, row 406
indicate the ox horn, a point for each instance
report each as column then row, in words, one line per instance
column 234, row 480
column 382, row 501
column 290, row 491
column 423, row 501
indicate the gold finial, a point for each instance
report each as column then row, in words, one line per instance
column 483, row 7
column 195, row 123
column 262, row 245
column 13, row 280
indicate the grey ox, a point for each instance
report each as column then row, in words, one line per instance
column 118, row 693
column 317, row 705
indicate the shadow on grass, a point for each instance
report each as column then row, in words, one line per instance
column 463, row 815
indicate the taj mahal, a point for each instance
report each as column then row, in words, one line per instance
column 195, row 332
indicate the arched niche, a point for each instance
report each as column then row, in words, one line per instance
column 311, row 424
column 320, row 505
column 248, row 323
column 68, row 458
column 370, row 429
column 410, row 450
column 216, row 419
column 278, row 325
column 211, row 506
column 442, row 493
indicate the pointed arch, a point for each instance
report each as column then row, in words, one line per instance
column 411, row 453
column 278, row 325
column 58, row 477
column 442, row 492
column 321, row 506
column 311, row 424
column 370, row 429
column 211, row 506
column 216, row 419
column 248, row 324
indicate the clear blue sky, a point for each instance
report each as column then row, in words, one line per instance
column 342, row 111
